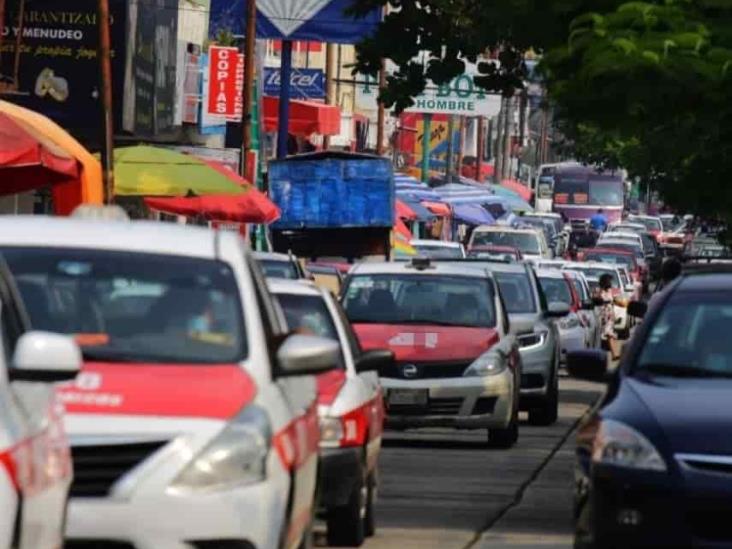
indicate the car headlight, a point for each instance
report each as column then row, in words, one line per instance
column 486, row 365
column 620, row 445
column 569, row 322
column 237, row 456
column 532, row 340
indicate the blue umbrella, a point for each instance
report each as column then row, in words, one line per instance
column 471, row 214
column 423, row 214
column 416, row 195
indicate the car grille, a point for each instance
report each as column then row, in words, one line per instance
column 436, row 407
column 97, row 468
column 427, row 370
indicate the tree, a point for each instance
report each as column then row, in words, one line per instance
column 647, row 86
column 452, row 31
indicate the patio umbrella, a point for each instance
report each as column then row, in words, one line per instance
column 154, row 171
column 87, row 187
column 249, row 207
column 28, row 159
column 403, row 211
column 472, row 214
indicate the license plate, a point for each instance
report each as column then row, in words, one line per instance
column 408, row 397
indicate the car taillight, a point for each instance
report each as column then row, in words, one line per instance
column 350, row 429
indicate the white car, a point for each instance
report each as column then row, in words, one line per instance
column 439, row 249
column 194, row 420
column 351, row 412
column 588, row 312
column 558, row 288
column 35, row 464
column 530, row 242
column 458, row 364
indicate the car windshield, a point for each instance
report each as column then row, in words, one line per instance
column 528, row 243
column 133, row 307
column 438, row 252
column 627, row 245
column 517, row 292
column 438, row 300
column 596, row 272
column 556, row 290
column 690, row 338
column 602, row 257
column 275, row 268
column 606, row 191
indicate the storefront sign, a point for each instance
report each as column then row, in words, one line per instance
column 304, row 83
column 460, row 97
column 225, row 80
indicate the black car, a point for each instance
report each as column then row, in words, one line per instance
column 654, row 460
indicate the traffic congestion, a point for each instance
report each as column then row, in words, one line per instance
column 384, row 274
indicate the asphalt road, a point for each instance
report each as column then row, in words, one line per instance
column 448, row 489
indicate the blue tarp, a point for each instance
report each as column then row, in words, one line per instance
column 471, row 214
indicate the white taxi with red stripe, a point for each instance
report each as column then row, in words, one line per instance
column 351, row 410
column 35, row 465
column 194, row 421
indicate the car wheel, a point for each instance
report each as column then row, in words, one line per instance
column 347, row 524
column 373, row 486
column 505, row 438
column 548, row 412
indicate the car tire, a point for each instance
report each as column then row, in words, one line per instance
column 548, row 413
column 373, row 486
column 507, row 437
column 347, row 524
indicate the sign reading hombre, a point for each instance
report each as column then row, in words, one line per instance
column 459, row 97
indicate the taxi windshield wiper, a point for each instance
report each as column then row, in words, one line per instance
column 681, row 370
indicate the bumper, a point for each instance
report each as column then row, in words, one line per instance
column 537, row 369
column 462, row 403
column 645, row 509
column 340, row 471
column 250, row 515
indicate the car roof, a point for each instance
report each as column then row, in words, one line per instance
column 439, row 243
column 504, row 229
column 553, row 215
column 620, row 235
column 272, row 256
column 405, row 267
column 294, row 287
column 550, row 273
column 707, row 281
column 609, row 250
column 122, row 236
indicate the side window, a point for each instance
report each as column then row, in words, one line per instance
column 540, row 291
column 272, row 316
column 353, row 341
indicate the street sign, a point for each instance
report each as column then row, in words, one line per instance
column 305, row 83
column 225, row 81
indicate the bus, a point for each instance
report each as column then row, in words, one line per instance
column 579, row 191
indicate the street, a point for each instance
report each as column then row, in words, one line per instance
column 442, row 488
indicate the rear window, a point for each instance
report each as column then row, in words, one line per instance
column 595, row 273
column 618, row 259
column 274, row 268
column 133, row 307
column 527, row 243
column 438, row 252
column 420, row 300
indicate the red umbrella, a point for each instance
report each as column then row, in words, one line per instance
column 29, row 160
column 251, row 206
column 403, row 211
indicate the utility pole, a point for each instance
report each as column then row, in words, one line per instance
column 450, row 164
column 329, row 55
column 426, row 142
column 2, row 28
column 498, row 152
column 248, row 92
column 105, row 63
column 480, row 149
column 381, row 115
column 461, row 146
column 507, row 138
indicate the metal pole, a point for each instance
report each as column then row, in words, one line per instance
column 329, row 55
column 426, row 140
column 461, row 146
column 498, row 154
column 481, row 150
column 284, row 113
column 248, row 92
column 18, row 43
column 450, row 160
column 380, row 116
column 507, row 137
column 2, row 28
column 106, row 85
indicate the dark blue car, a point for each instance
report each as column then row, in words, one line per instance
column 654, row 459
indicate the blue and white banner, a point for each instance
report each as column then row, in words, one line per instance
column 304, row 83
column 311, row 20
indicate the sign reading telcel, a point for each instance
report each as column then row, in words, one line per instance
column 304, row 83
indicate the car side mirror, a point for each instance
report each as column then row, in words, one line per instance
column 637, row 309
column 44, row 357
column 558, row 309
column 377, row 360
column 302, row 355
column 588, row 365
column 588, row 304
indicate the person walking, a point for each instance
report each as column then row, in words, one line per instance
column 607, row 315
column 598, row 222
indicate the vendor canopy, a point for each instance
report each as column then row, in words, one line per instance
column 306, row 117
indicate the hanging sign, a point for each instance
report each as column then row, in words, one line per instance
column 225, row 81
column 304, row 83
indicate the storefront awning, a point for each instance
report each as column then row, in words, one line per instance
column 306, row 117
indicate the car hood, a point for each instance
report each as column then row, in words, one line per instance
column 694, row 415
column 427, row 343
column 159, row 390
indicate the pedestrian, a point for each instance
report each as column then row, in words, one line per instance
column 607, row 315
column 598, row 222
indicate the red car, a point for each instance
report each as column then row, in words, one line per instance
column 623, row 257
column 502, row 253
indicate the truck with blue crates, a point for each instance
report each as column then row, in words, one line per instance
column 334, row 205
